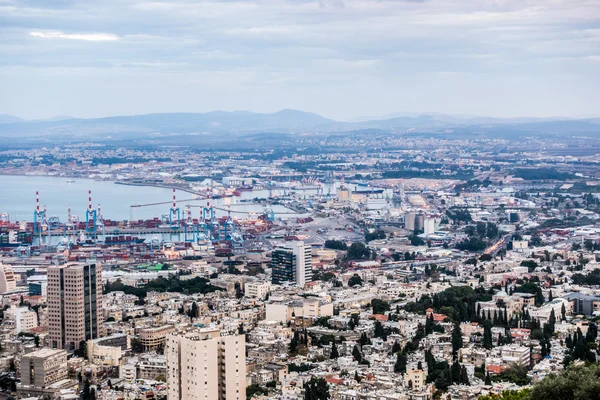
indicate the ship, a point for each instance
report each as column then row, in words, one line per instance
column 15, row 238
column 116, row 240
column 368, row 191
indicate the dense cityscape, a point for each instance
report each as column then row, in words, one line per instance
column 455, row 269
column 299, row 200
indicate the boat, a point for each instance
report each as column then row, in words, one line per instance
column 15, row 239
column 70, row 181
column 116, row 240
column 371, row 191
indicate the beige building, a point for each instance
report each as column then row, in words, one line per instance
column 201, row 364
column 310, row 307
column 74, row 304
column 153, row 339
column 415, row 379
column 7, row 279
column 43, row 368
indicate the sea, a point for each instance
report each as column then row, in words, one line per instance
column 57, row 194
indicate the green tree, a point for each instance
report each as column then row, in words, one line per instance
column 356, row 354
column 334, row 351
column 193, row 312
column 400, row 365
column 358, row 250
column 355, row 280
column 380, row 306
column 457, row 341
column 379, row 332
column 316, row 389
column 576, row 383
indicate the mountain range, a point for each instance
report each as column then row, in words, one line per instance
column 240, row 123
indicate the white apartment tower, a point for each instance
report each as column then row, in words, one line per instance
column 292, row 262
column 74, row 304
column 202, row 365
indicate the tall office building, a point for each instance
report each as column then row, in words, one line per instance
column 292, row 262
column 7, row 279
column 74, row 304
column 202, row 364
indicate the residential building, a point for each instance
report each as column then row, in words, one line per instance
column 22, row 319
column 153, row 339
column 258, row 290
column 202, row 364
column 74, row 304
column 7, row 279
column 292, row 262
column 43, row 367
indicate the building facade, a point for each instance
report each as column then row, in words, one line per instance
column 43, row 367
column 292, row 262
column 74, row 304
column 7, row 279
column 22, row 319
column 201, row 364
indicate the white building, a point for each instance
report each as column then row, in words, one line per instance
column 21, row 318
column 257, row 290
column 201, row 364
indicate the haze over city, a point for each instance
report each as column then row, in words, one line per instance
column 341, row 59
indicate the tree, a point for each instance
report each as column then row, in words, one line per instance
column 396, row 347
column 487, row 335
column 380, row 306
column 193, row 312
column 86, row 393
column 400, row 365
column 334, row 351
column 457, row 341
column 356, row 354
column 563, row 312
column 523, row 394
column 488, row 380
column 455, row 371
column 358, row 250
column 355, row 280
column 316, row 389
column 293, row 346
column 364, row 339
column 577, row 383
column 464, row 376
column 379, row 332
column 36, row 340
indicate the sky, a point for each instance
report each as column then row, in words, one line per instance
column 339, row 58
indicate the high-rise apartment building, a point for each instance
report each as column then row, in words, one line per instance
column 203, row 365
column 292, row 262
column 74, row 304
column 7, row 279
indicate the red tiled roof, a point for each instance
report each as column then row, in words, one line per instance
column 379, row 317
column 495, row 369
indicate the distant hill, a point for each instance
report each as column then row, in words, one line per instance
column 9, row 119
column 223, row 125
column 170, row 124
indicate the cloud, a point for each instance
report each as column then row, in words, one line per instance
column 91, row 37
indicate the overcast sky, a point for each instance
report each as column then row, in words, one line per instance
column 338, row 58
